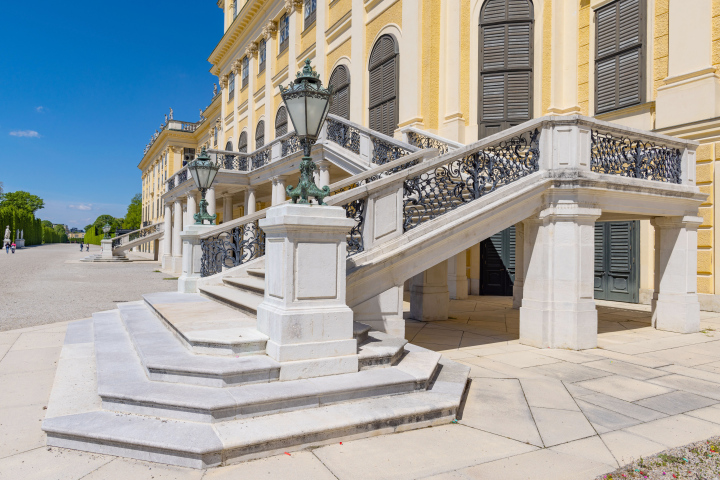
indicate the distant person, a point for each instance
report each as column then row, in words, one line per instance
column 12, row 247
column 81, row 247
column 87, row 247
column 7, row 247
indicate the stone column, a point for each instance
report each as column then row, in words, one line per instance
column 323, row 170
column 475, row 269
column 453, row 126
column 675, row 304
column 177, row 226
column 212, row 203
column 457, row 276
column 191, row 257
column 429, row 294
column 304, row 312
column 558, row 306
column 191, row 207
column 167, row 237
column 249, row 201
column 278, row 190
column 227, row 208
column 519, row 282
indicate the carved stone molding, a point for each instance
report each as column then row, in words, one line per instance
column 269, row 30
column 293, row 6
column 237, row 66
column 251, row 50
column 224, row 81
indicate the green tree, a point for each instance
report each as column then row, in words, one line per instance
column 59, row 229
column 21, row 200
column 133, row 217
column 115, row 223
column 47, row 223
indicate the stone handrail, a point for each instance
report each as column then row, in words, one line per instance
column 422, row 139
column 139, row 233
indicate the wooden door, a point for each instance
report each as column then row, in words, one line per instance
column 497, row 263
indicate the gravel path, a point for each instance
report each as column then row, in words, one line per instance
column 48, row 283
column 697, row 461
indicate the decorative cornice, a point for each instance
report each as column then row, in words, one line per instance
column 293, row 6
column 269, row 30
column 237, row 66
column 251, row 50
column 224, row 81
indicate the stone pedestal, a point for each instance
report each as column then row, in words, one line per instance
column 304, row 311
column 429, row 294
column 106, row 245
column 675, row 305
column 383, row 312
column 558, row 306
column 191, row 257
column 20, row 243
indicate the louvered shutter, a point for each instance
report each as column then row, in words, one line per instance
column 616, row 271
column 281, row 122
column 340, row 81
column 260, row 134
column 619, row 64
column 228, row 146
column 506, row 65
column 242, row 143
column 383, row 86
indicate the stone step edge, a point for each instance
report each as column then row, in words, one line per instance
column 202, row 347
column 141, row 395
column 248, row 284
column 211, row 292
column 163, row 366
column 202, row 445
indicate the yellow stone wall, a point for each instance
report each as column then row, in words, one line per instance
column 706, row 156
column 338, row 10
column 660, row 44
column 465, row 60
column 308, row 39
column 584, row 57
column 260, row 82
column 391, row 15
column 431, row 64
column 716, row 33
column 547, row 57
column 282, row 61
column 342, row 51
column 243, row 94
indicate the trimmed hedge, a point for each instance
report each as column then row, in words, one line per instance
column 21, row 220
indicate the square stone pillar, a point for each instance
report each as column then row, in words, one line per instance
column 304, row 311
column 177, row 226
column 106, row 246
column 383, row 312
column 191, row 257
column 475, row 269
column 457, row 276
column 675, row 305
column 167, row 237
column 520, row 266
column 558, row 305
column 429, row 294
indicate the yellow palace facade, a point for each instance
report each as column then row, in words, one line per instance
column 463, row 70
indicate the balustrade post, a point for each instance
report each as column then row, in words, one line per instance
column 167, row 237
column 191, row 257
column 177, row 225
column 249, row 201
column 323, row 171
column 276, row 151
column 366, row 147
column 211, row 201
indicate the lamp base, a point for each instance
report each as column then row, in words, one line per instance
column 306, row 186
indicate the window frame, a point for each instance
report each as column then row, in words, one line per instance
column 309, row 15
column 231, row 86
column 262, row 55
column 283, row 33
column 245, row 71
column 262, row 138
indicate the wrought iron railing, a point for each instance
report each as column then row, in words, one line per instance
column 290, row 145
column 260, row 158
column 626, row 157
column 143, row 232
column 344, row 134
column 384, row 152
column 423, row 141
column 232, row 248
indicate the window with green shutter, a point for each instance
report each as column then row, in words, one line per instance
column 281, row 122
column 340, row 102
column 619, row 55
column 383, row 86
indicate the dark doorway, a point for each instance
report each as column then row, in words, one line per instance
column 617, row 246
column 497, row 263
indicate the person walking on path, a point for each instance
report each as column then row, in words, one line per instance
column 6, row 240
column 87, row 247
column 12, row 247
column 81, row 247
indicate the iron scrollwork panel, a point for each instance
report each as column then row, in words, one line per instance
column 260, row 159
column 291, row 145
column 356, row 211
column 384, row 152
column 344, row 135
column 231, row 249
column 635, row 158
column 434, row 193
column 421, row 141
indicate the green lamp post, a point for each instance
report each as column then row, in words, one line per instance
column 308, row 103
column 106, row 229
column 203, row 172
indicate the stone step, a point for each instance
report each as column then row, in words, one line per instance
column 256, row 272
column 380, row 350
column 360, row 332
column 254, row 284
column 166, row 359
column 206, row 326
column 232, row 297
column 124, row 386
column 203, row 445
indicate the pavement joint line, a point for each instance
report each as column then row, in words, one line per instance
column 531, row 412
column 113, row 459
column 323, row 463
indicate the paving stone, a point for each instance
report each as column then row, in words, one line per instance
column 20, row 429
column 298, row 465
column 22, row 361
column 693, row 373
column 692, row 385
column 30, row 340
column 126, row 469
column 498, row 406
column 604, row 420
column 547, row 393
column 634, row 359
column 505, row 370
column 567, row 355
column 674, row 403
column 4, row 347
column 561, row 426
column 618, row 367
column 627, row 447
column 591, row 448
column 622, row 407
column 680, row 356
column 447, row 476
column 677, row 430
column 416, row 454
column 8, row 338
column 447, row 341
column 624, row 388
column 568, row 372
column 543, row 464
column 664, row 344
column 577, row 391
column 523, row 359
column 18, row 389
column 51, row 464
column 711, row 414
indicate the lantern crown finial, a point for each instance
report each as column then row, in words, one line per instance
column 307, row 73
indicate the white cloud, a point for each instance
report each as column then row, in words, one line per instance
column 81, row 206
column 25, row 133
column 40, row 109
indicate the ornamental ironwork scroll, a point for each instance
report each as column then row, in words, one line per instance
column 384, row 152
column 356, row 211
column 233, row 162
column 182, row 177
column 231, row 249
column 171, row 184
column 344, row 135
column 132, row 236
column 635, row 158
column 260, row 158
column 421, row 141
column 434, row 193
column 290, row 145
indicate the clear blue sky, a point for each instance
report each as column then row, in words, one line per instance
column 84, row 84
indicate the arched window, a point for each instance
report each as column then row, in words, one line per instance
column 281, row 122
column 260, row 134
column 340, row 81
column 506, row 65
column 228, row 146
column 384, row 86
column 262, row 55
column 242, row 143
